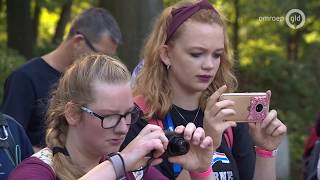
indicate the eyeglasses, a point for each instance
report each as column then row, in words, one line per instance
column 112, row 120
column 88, row 43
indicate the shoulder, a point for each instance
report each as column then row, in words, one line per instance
column 45, row 155
column 30, row 65
column 16, row 128
column 27, row 69
column 17, row 131
column 32, row 168
column 12, row 123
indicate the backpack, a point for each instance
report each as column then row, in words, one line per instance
column 311, row 162
column 7, row 142
column 139, row 100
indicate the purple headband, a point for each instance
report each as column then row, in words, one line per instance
column 180, row 15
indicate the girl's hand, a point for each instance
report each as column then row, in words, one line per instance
column 201, row 148
column 268, row 134
column 214, row 122
column 151, row 141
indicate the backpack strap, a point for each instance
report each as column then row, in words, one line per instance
column 7, row 142
column 141, row 103
column 228, row 135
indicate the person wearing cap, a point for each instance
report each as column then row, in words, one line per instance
column 187, row 66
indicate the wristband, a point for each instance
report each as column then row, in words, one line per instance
column 265, row 153
column 118, row 165
column 201, row 175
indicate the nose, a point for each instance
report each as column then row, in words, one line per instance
column 208, row 63
column 122, row 127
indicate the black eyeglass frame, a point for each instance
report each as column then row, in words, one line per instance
column 136, row 110
column 88, row 43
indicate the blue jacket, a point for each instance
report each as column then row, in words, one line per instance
column 20, row 138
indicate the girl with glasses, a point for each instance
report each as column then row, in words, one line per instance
column 88, row 118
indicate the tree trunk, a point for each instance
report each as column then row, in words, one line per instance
column 19, row 29
column 61, row 25
column 135, row 19
column 35, row 22
column 1, row 5
column 235, row 39
column 293, row 46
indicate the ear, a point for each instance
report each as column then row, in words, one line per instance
column 77, row 38
column 72, row 113
column 77, row 41
column 164, row 55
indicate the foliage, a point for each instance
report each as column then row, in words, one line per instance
column 49, row 17
column 9, row 60
column 295, row 95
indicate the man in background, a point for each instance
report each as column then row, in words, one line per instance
column 27, row 89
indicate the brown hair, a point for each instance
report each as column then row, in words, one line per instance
column 152, row 82
column 75, row 86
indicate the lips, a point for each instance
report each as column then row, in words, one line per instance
column 204, row 78
column 116, row 141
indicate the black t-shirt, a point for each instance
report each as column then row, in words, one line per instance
column 228, row 164
column 26, row 93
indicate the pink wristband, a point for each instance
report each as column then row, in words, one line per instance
column 200, row 175
column 265, row 153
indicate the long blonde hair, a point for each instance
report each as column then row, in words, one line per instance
column 75, row 86
column 152, row 82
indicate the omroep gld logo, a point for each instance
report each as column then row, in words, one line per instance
column 295, row 18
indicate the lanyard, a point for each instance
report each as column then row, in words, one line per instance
column 177, row 168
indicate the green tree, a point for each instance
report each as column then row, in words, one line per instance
column 135, row 18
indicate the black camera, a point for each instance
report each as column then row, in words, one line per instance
column 177, row 145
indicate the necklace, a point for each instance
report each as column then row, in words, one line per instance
column 194, row 119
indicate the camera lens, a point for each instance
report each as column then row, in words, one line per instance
column 259, row 107
column 177, row 145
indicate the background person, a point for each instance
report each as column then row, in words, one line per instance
column 14, row 145
column 26, row 89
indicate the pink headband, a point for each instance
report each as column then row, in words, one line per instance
column 180, row 15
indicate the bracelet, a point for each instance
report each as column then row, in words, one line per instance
column 200, row 175
column 118, row 165
column 265, row 153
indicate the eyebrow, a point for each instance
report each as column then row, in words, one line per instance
column 106, row 111
column 219, row 50
column 199, row 47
